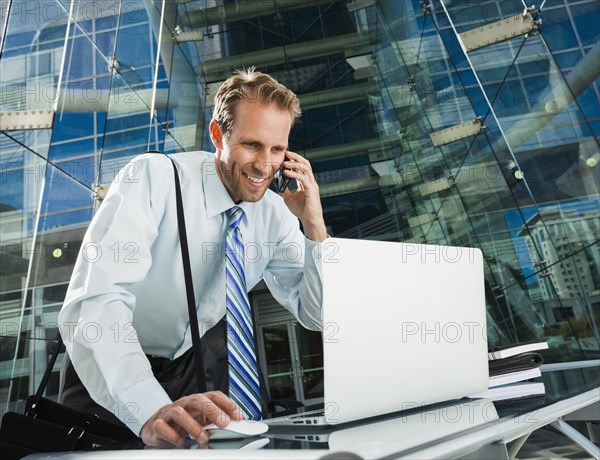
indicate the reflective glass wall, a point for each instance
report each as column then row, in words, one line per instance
column 443, row 122
column 83, row 89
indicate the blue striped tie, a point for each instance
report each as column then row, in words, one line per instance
column 244, row 388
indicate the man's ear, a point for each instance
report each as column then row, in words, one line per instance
column 215, row 134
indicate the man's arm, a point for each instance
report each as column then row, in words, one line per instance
column 98, row 305
column 296, row 282
column 305, row 203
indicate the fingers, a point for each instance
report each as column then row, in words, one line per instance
column 299, row 168
column 171, row 425
column 176, row 425
column 305, row 205
column 187, row 416
column 226, row 409
column 181, row 417
column 294, row 156
column 162, row 434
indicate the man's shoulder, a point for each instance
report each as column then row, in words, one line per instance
column 195, row 155
column 181, row 158
column 159, row 164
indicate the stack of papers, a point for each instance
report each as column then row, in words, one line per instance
column 515, row 390
column 509, row 367
column 512, row 377
column 516, row 350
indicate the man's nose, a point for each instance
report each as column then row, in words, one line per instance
column 263, row 167
column 265, row 164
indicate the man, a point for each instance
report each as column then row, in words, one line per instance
column 126, row 299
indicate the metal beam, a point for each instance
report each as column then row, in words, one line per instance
column 240, row 10
column 456, row 132
column 118, row 100
column 500, row 31
column 356, row 5
column 577, row 437
column 17, row 120
column 349, row 186
column 191, row 36
column 360, row 185
column 556, row 99
column 316, row 99
column 221, row 68
column 436, row 186
column 350, row 149
column 336, row 95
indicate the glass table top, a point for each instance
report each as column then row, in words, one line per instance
column 410, row 432
column 420, row 425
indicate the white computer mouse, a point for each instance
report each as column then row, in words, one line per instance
column 237, row 429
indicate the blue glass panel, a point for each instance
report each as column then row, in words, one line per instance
column 117, row 140
column 73, row 125
column 95, row 16
column 133, row 50
column 12, row 178
column 126, row 122
column 557, row 29
column 589, row 103
column 62, row 198
column 81, row 169
column 567, row 60
column 587, row 22
column 72, row 149
column 105, row 43
column 19, row 40
column 106, row 23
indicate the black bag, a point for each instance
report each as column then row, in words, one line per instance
column 54, row 428
column 178, row 376
column 48, row 426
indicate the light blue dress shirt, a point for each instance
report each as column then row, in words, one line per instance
column 127, row 295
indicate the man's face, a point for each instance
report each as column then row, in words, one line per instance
column 253, row 151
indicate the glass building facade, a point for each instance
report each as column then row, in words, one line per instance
column 434, row 121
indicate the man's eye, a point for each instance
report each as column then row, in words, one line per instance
column 252, row 145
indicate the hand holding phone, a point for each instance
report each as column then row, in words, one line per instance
column 280, row 181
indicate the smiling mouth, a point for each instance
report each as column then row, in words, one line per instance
column 255, row 180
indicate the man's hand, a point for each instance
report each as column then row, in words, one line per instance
column 305, row 203
column 172, row 423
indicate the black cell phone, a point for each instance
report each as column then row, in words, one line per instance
column 280, row 181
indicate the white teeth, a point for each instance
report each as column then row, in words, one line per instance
column 256, row 180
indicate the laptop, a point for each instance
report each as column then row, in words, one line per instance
column 399, row 431
column 404, row 327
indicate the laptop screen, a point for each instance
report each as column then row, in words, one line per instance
column 404, row 326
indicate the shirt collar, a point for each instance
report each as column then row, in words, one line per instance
column 216, row 196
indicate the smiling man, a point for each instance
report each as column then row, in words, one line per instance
column 250, row 131
column 125, row 318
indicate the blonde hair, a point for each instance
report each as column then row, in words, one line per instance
column 249, row 84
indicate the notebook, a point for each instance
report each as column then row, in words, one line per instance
column 404, row 326
column 515, row 350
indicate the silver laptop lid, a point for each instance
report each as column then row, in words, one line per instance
column 404, row 326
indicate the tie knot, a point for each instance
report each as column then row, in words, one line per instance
column 234, row 216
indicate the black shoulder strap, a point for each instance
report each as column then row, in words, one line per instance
column 189, row 286
column 40, row 391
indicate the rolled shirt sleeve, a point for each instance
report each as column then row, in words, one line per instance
column 96, row 319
